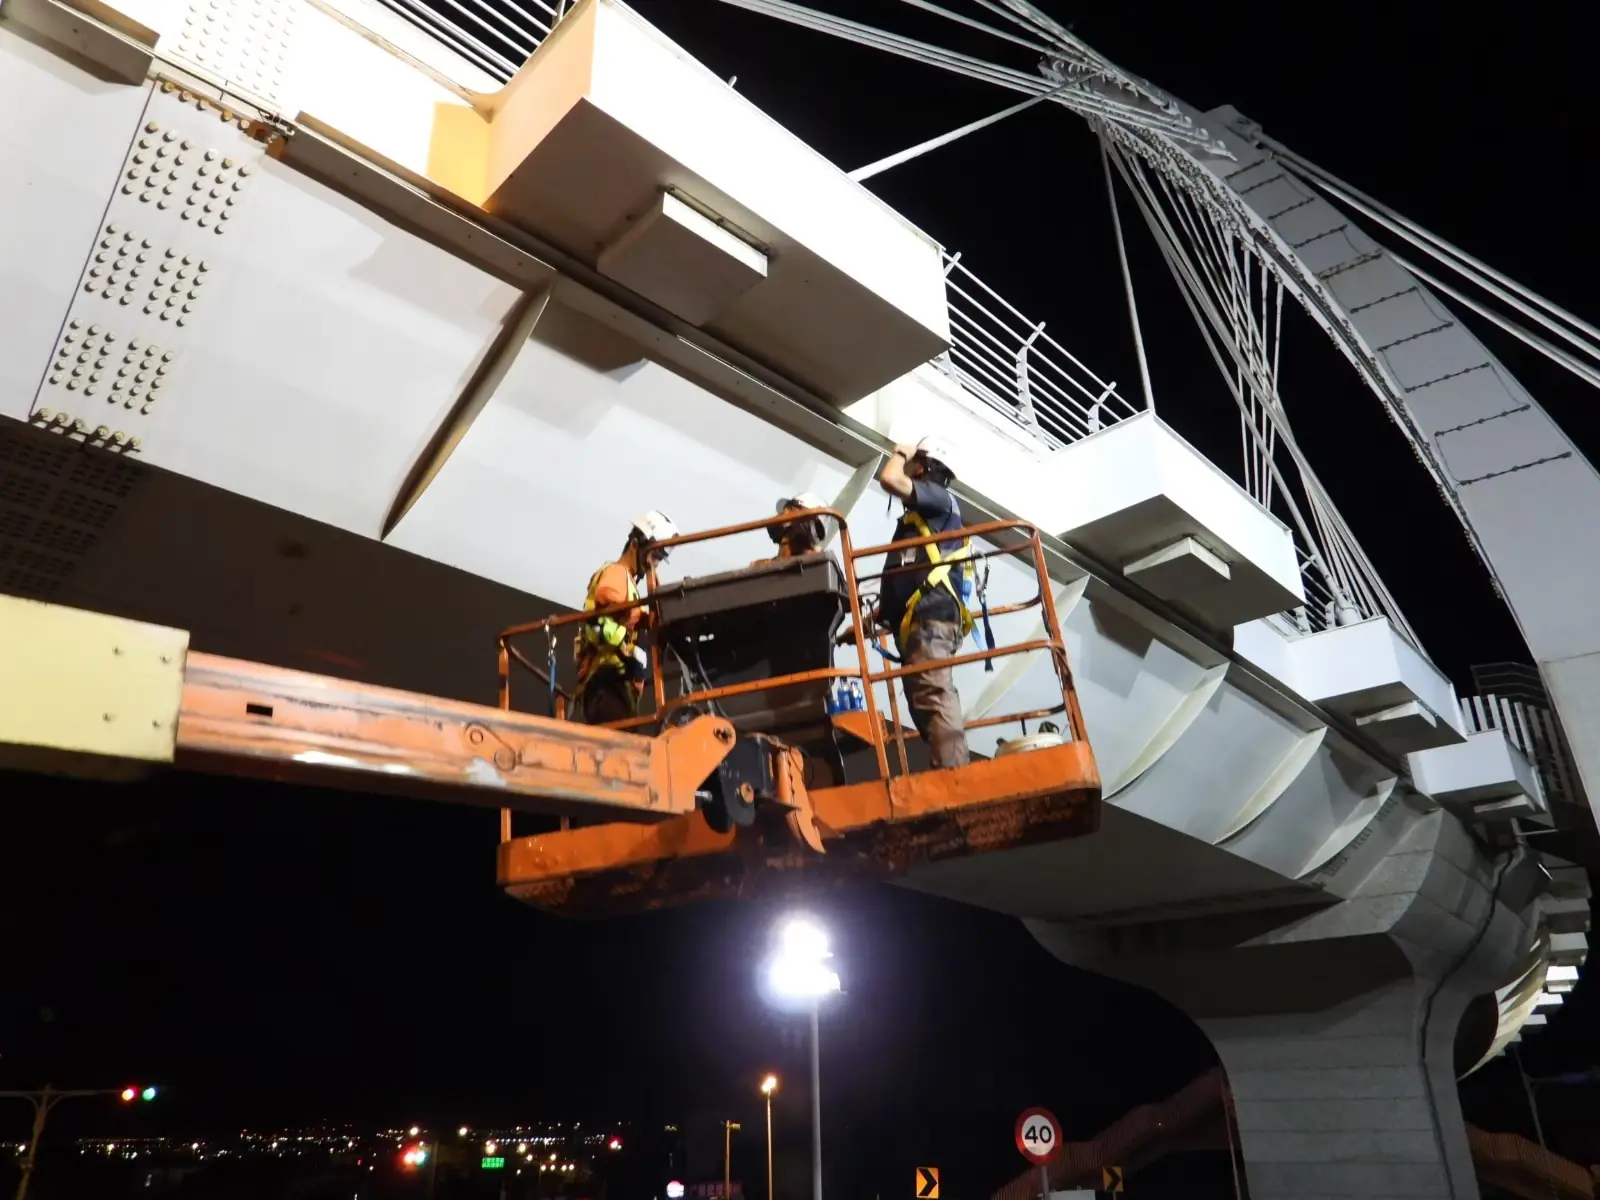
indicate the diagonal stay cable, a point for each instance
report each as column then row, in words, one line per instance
column 938, row 10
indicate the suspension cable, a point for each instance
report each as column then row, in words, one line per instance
column 1554, row 353
column 1339, row 542
column 1176, row 257
column 862, row 174
column 1127, row 281
column 1076, row 97
column 926, row 6
column 1437, row 246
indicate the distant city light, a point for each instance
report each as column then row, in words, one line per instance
column 674, row 1190
column 614, row 1144
column 462, row 1131
column 522, row 1147
column 415, row 1156
column 415, row 1131
column 490, row 1147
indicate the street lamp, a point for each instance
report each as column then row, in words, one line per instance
column 799, row 970
column 768, row 1086
column 727, row 1158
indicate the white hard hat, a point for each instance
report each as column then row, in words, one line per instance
column 805, row 500
column 940, row 449
column 655, row 526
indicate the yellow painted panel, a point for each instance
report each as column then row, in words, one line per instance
column 458, row 151
column 548, row 86
column 78, row 682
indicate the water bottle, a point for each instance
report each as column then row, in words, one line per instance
column 836, row 696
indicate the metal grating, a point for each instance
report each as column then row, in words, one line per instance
column 57, row 499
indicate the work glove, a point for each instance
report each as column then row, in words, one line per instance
column 636, row 665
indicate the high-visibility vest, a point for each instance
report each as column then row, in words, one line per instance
column 603, row 642
column 938, row 576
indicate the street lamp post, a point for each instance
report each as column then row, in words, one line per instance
column 768, row 1086
column 46, row 1099
column 799, row 971
column 727, row 1158
column 816, row 1100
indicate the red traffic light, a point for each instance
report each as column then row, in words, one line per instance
column 129, row 1095
column 614, row 1144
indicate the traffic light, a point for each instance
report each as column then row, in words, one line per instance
column 415, row 1156
column 132, row 1093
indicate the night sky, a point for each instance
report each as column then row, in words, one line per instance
column 281, row 955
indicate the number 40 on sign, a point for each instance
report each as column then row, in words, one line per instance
column 1038, row 1135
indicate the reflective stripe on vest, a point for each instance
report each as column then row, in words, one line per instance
column 938, row 576
column 604, row 641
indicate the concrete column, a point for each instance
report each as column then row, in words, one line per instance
column 1342, row 1101
column 1336, row 1019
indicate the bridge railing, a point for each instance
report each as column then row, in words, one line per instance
column 1511, row 698
column 1010, row 363
column 495, row 37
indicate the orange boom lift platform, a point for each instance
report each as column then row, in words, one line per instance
column 736, row 780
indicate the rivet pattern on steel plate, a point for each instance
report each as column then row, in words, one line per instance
column 244, row 42
column 147, row 273
column 55, row 503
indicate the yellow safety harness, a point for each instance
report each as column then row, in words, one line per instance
column 938, row 576
column 603, row 642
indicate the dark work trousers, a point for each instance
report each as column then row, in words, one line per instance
column 931, row 695
column 607, row 697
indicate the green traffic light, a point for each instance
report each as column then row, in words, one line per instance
column 148, row 1094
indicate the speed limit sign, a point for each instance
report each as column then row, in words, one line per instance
column 1038, row 1135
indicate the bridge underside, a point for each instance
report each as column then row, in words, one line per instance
column 251, row 581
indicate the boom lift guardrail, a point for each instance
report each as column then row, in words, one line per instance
column 690, row 801
column 884, row 823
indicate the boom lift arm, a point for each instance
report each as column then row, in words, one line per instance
column 731, row 786
column 85, row 693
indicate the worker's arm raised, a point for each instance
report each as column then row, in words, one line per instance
column 893, row 475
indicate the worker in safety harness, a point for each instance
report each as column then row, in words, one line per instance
column 611, row 663
column 801, row 537
column 925, row 609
